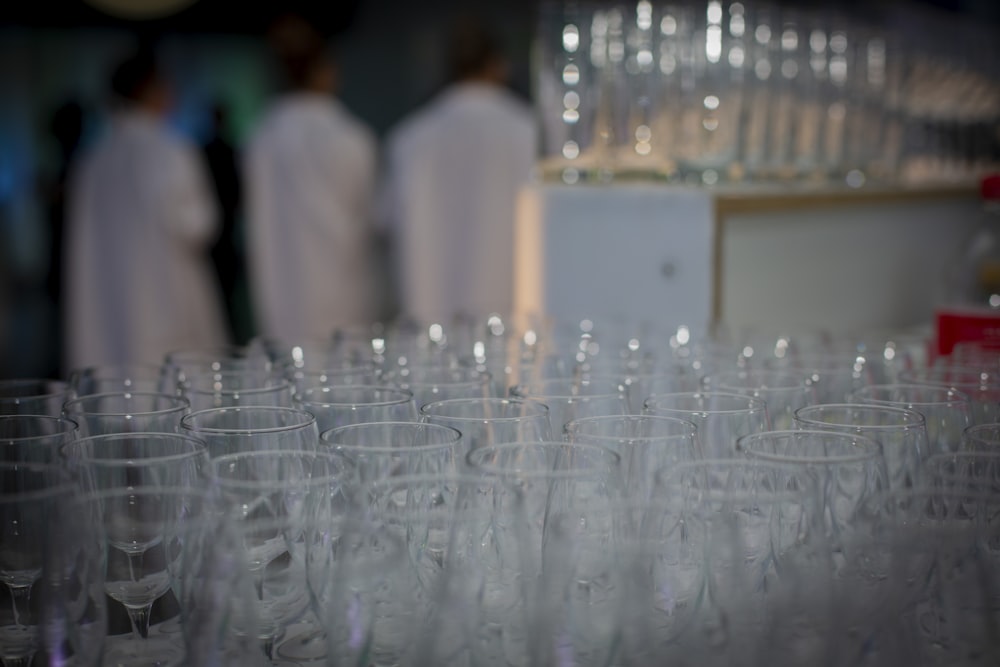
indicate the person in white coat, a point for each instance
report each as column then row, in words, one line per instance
column 310, row 179
column 141, row 219
column 453, row 171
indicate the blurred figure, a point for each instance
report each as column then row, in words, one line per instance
column 310, row 175
column 66, row 128
column 141, row 220
column 228, row 252
column 453, row 172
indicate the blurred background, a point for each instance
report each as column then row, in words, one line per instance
column 55, row 56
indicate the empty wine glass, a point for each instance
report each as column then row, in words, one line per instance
column 980, row 385
column 127, row 412
column 34, row 397
column 252, row 428
column 120, row 378
column 32, row 496
column 946, row 412
column 339, row 405
column 901, row 433
column 227, row 389
column 646, row 443
column 849, row 468
column 269, row 495
column 389, row 449
column 439, row 383
column 129, row 460
column 34, row 438
column 783, row 391
column 575, row 398
column 140, row 528
column 720, row 417
column 490, row 420
column 180, row 364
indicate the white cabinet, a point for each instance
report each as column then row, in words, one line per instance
column 768, row 258
column 626, row 254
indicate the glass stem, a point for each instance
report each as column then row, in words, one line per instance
column 140, row 619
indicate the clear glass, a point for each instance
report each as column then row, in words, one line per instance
column 947, row 412
column 127, row 412
column 119, row 378
column 980, row 385
column 34, row 438
column 34, row 397
column 490, row 421
column 230, row 389
column 645, row 443
column 901, row 433
column 720, row 417
column 575, row 398
column 340, row 405
column 253, row 428
column 120, row 460
column 385, row 449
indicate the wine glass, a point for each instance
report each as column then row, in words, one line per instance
column 339, row 405
column 35, row 551
column 431, row 383
column 121, row 378
column 901, row 433
column 228, row 389
column 946, row 412
column 148, row 460
column 575, row 398
column 484, row 421
column 252, row 428
column 388, row 449
column 269, row 495
column 980, row 385
column 34, row 438
column 721, row 417
column 127, row 412
column 646, row 443
column 139, row 527
column 34, row 397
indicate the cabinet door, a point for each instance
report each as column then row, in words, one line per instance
column 636, row 254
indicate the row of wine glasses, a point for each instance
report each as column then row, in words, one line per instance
column 553, row 493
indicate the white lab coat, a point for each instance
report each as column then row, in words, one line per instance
column 310, row 179
column 138, row 277
column 453, row 172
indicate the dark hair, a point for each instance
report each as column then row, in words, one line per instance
column 471, row 47
column 134, row 75
column 298, row 46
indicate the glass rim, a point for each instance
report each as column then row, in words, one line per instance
column 325, row 436
column 281, row 384
column 717, row 380
column 614, row 459
column 957, row 396
column 182, row 403
column 405, row 395
column 199, row 448
column 187, row 421
column 38, row 417
column 62, row 387
column 973, row 430
column 229, row 353
column 610, row 419
column 346, row 468
column 425, row 413
column 918, row 419
column 755, row 404
column 874, row 453
column 966, row 374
